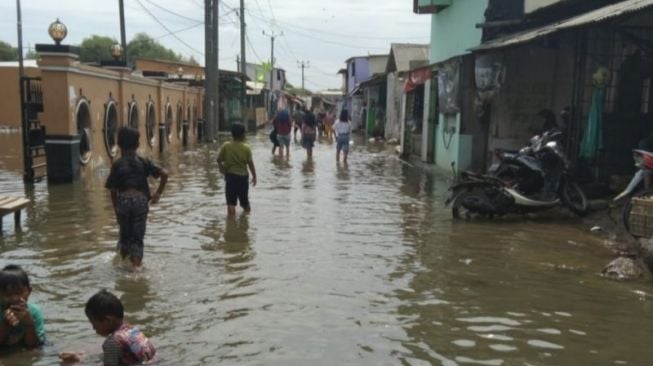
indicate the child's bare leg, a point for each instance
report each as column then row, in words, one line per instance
column 248, row 209
column 338, row 155
column 231, row 210
column 344, row 159
column 136, row 261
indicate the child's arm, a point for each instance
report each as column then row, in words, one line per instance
column 163, row 180
column 252, row 169
column 221, row 160
column 4, row 328
column 29, row 322
column 114, row 199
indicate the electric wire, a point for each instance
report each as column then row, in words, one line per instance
column 168, row 29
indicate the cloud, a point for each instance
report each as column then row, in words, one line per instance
column 324, row 33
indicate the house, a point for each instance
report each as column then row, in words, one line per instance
column 586, row 64
column 360, row 69
column 449, row 102
column 591, row 60
column 403, row 57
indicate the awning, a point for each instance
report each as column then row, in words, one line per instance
column 595, row 16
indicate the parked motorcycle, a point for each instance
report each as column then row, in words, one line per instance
column 533, row 179
column 643, row 161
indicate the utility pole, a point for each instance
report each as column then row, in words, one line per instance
column 243, row 62
column 272, row 37
column 212, row 75
column 123, row 35
column 28, row 171
column 303, row 65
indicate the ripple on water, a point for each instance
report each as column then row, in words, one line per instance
column 502, row 348
column 465, row 343
column 538, row 343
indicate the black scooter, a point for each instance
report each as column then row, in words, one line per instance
column 533, row 179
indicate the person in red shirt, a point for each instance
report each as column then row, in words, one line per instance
column 283, row 126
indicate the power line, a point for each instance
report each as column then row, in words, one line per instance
column 168, row 29
column 342, row 35
column 251, row 48
column 172, row 12
column 292, row 31
column 180, row 30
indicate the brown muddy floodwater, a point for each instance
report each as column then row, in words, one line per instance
column 357, row 265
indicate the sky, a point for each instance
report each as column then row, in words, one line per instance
column 322, row 33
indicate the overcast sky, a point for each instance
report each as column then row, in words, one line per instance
column 325, row 33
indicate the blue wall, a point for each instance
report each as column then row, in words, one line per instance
column 362, row 72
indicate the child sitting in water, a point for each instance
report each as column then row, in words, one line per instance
column 125, row 344
column 21, row 323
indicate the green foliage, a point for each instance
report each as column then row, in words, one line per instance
column 31, row 55
column 96, row 48
column 145, row 46
column 7, row 53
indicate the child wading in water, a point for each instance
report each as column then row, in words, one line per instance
column 233, row 160
column 21, row 323
column 309, row 129
column 342, row 129
column 125, row 344
column 130, row 193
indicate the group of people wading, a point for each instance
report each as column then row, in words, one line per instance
column 284, row 125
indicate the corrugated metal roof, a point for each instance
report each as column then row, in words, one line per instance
column 595, row 16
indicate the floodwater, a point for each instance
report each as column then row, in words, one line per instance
column 337, row 265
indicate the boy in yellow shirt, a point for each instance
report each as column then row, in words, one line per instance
column 233, row 160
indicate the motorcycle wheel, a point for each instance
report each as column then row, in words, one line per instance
column 459, row 211
column 574, row 198
column 628, row 207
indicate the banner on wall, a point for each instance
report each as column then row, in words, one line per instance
column 417, row 78
column 449, row 87
column 489, row 75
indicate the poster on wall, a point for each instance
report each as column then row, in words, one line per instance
column 449, row 87
column 489, row 75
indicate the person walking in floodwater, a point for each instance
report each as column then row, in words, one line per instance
column 283, row 126
column 309, row 131
column 130, row 193
column 298, row 117
column 233, row 159
column 342, row 130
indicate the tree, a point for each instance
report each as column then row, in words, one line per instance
column 31, row 55
column 96, row 48
column 145, row 46
column 7, row 53
column 191, row 60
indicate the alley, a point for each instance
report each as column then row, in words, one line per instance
column 337, row 265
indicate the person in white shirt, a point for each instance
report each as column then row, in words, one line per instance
column 342, row 129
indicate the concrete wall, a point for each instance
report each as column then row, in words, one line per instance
column 66, row 87
column 536, row 78
column 453, row 30
column 393, row 107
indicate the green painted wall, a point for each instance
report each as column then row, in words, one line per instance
column 453, row 30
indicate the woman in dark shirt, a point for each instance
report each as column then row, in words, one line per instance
column 130, row 193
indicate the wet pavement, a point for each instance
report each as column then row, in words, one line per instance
column 337, row 265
